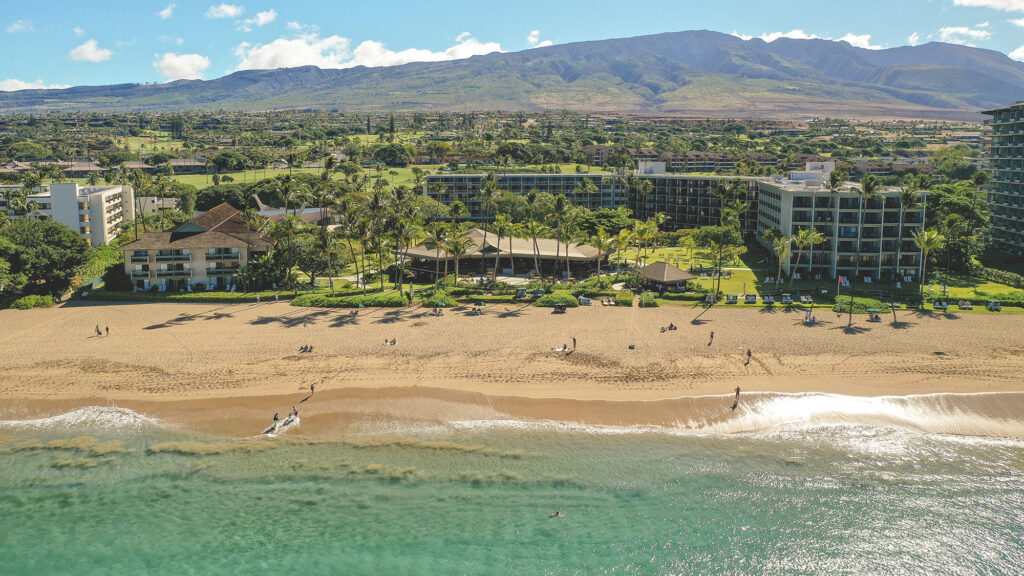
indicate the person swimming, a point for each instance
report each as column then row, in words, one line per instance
column 557, row 514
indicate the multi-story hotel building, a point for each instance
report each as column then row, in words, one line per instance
column 95, row 212
column 687, row 201
column 870, row 244
column 1006, row 166
column 209, row 250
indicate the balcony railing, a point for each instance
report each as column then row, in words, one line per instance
column 139, row 259
column 173, row 257
column 140, row 274
column 173, row 273
column 221, row 271
column 222, row 256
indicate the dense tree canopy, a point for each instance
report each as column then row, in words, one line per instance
column 44, row 254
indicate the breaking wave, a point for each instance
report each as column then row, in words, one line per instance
column 108, row 417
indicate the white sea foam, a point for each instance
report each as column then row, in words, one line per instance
column 991, row 415
column 110, row 417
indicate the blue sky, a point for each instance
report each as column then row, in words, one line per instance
column 51, row 43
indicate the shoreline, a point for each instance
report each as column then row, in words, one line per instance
column 347, row 412
column 182, row 361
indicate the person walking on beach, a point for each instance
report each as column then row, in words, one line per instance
column 277, row 418
column 749, row 353
column 108, row 330
column 257, row 298
column 276, row 298
column 574, row 343
column 737, row 402
column 710, row 342
column 311, row 388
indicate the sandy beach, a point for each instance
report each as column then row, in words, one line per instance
column 226, row 368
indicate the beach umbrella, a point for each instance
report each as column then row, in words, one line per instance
column 873, row 311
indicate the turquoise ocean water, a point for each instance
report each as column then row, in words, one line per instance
column 135, row 498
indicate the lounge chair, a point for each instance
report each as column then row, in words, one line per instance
column 806, row 299
column 993, row 306
column 750, row 299
column 584, row 301
column 787, row 299
column 731, row 299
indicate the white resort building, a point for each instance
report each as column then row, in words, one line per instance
column 95, row 212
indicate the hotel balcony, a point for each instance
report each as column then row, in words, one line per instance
column 212, row 272
column 139, row 259
column 222, row 257
column 174, row 273
column 173, row 257
column 140, row 274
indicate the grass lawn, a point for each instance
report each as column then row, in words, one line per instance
column 404, row 176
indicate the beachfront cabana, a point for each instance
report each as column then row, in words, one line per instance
column 514, row 254
column 665, row 275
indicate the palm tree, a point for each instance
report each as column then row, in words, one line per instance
column 514, row 229
column 602, row 241
column 535, row 229
column 781, row 247
column 457, row 246
column 532, row 206
column 407, row 234
column 501, row 229
column 436, row 235
column 623, row 241
column 910, row 199
column 455, row 211
column 559, row 213
column 927, row 240
column 836, row 181
column 868, row 191
column 804, row 238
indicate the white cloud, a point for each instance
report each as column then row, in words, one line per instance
column 224, row 11
column 78, row 32
column 796, row 33
column 860, row 41
column 261, row 19
column 167, row 12
column 462, row 36
column 334, row 52
column 176, row 40
column 181, row 66
column 533, row 39
column 1017, row 54
column 914, row 39
column 294, row 26
column 11, row 84
column 20, row 26
column 90, row 51
column 1017, row 22
column 742, row 36
column 1004, row 5
column 962, row 35
column 983, row 24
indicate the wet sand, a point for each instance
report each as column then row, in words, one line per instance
column 227, row 368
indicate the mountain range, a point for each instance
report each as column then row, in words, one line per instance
column 694, row 73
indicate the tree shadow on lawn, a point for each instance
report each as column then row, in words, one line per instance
column 393, row 316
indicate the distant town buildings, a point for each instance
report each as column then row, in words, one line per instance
column 95, row 212
column 1006, row 167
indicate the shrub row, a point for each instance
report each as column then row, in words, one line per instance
column 105, row 295
column 33, row 301
column 647, row 300
column 561, row 297
column 1000, row 276
column 624, row 298
column 378, row 300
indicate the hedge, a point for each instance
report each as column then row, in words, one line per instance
column 379, row 300
column 432, row 297
column 647, row 300
column 33, row 301
column 860, row 305
column 554, row 299
column 624, row 298
column 683, row 296
column 102, row 294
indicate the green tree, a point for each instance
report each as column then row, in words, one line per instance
column 45, row 254
column 804, row 237
column 927, row 240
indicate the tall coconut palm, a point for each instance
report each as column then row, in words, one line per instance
column 488, row 196
column 457, row 246
column 868, row 191
column 804, row 238
column 501, row 229
column 560, row 211
column 514, row 230
column 622, row 241
column 927, row 240
column 910, row 199
column 407, row 234
column 436, row 235
column 781, row 247
column 535, row 229
column 533, row 208
column 602, row 241
column 836, row 181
